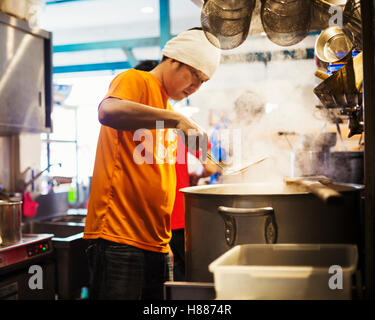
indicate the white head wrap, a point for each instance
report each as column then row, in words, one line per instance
column 192, row 48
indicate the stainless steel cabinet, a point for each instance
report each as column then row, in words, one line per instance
column 25, row 77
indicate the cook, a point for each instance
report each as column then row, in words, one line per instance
column 183, row 179
column 128, row 218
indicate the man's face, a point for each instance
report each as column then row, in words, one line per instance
column 181, row 80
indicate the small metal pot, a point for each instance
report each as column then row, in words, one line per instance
column 10, row 222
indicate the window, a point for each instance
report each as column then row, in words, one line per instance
column 75, row 129
column 59, row 149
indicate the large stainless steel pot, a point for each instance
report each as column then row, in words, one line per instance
column 10, row 222
column 218, row 217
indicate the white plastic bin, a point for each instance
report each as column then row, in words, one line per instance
column 285, row 271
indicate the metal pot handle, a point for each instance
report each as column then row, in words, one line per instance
column 229, row 215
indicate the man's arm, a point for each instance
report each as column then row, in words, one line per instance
column 128, row 115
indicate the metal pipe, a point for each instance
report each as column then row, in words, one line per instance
column 39, row 174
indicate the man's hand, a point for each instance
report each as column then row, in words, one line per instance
column 194, row 137
column 210, row 167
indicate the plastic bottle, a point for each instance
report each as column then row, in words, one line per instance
column 72, row 194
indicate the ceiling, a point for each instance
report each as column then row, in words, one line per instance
column 97, row 22
column 94, row 13
column 92, row 21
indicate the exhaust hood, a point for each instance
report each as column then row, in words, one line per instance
column 25, row 77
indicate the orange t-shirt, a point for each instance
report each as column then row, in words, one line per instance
column 133, row 184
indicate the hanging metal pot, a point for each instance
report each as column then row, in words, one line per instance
column 286, row 22
column 227, row 23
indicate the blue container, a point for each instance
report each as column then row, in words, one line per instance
column 333, row 67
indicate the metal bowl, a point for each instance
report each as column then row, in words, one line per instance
column 332, row 45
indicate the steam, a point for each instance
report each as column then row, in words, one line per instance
column 286, row 87
column 258, row 137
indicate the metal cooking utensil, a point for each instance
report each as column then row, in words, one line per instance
column 214, row 161
column 230, row 171
column 333, row 45
column 344, row 86
column 286, row 22
column 226, row 23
